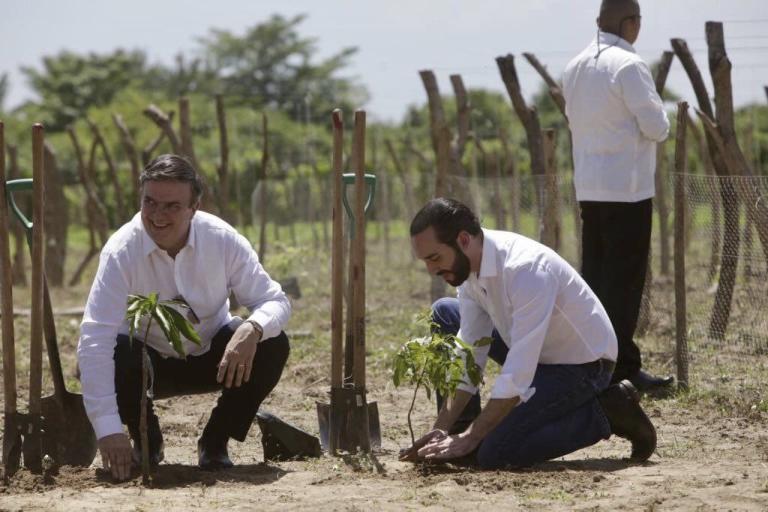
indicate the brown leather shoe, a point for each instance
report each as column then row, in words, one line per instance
column 621, row 403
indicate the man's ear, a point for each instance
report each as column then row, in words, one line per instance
column 463, row 239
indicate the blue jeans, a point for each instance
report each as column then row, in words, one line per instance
column 561, row 417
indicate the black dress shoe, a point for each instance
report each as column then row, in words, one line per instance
column 212, row 454
column 621, row 403
column 645, row 382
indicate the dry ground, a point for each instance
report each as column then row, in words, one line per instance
column 712, row 452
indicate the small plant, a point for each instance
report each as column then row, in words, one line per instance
column 436, row 362
column 174, row 325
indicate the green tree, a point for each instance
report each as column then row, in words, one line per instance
column 69, row 83
column 272, row 65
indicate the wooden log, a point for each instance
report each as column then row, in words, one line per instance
column 146, row 153
column 56, row 220
column 163, row 121
column 530, row 120
column 551, row 233
column 122, row 215
column 463, row 112
column 129, row 147
column 720, row 69
column 223, row 168
column 556, row 93
column 721, row 310
column 681, row 324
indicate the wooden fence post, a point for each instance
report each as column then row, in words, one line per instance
column 681, row 325
column 721, row 310
column 223, row 167
column 263, row 189
column 19, row 275
column 551, row 235
column 56, row 220
column 129, row 146
column 530, row 119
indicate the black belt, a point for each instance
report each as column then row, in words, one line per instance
column 601, row 365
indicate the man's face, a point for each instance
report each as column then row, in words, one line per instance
column 167, row 211
column 444, row 260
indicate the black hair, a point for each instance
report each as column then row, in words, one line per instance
column 173, row 168
column 448, row 217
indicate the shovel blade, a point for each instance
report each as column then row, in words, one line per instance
column 12, row 428
column 340, row 422
column 68, row 436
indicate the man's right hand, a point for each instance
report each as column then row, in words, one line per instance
column 116, row 454
column 411, row 454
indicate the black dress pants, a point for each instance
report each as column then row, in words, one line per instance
column 236, row 406
column 616, row 238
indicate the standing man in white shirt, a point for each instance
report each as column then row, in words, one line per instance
column 616, row 119
column 173, row 249
column 551, row 337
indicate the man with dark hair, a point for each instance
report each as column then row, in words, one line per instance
column 181, row 253
column 551, row 337
column 616, row 118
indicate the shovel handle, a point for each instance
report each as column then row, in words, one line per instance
column 349, row 179
column 9, row 351
column 38, row 256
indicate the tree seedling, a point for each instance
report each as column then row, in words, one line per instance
column 437, row 362
column 174, row 326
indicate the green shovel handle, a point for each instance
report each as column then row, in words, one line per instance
column 349, row 179
column 19, row 186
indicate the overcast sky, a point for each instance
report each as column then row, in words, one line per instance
column 396, row 38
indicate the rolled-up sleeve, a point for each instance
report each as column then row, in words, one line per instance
column 532, row 293
column 256, row 290
column 475, row 325
column 104, row 314
column 641, row 98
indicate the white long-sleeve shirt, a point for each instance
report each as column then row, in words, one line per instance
column 616, row 119
column 214, row 261
column 541, row 307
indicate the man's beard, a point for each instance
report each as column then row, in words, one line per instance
column 460, row 268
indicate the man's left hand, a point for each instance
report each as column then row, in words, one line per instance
column 237, row 362
column 450, row 447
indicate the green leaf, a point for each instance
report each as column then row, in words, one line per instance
column 182, row 324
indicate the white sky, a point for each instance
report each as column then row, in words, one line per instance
column 396, row 38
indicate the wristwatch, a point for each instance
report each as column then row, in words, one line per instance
column 256, row 327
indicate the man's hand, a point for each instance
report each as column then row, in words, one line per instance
column 237, row 362
column 449, row 447
column 116, row 454
column 410, row 454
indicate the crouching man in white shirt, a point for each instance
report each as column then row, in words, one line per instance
column 551, row 336
column 181, row 253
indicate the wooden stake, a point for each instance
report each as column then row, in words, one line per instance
column 263, row 189
column 681, row 326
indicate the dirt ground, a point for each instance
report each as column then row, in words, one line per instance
column 712, row 452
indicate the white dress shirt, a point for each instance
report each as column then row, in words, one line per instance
column 616, row 118
column 214, row 261
column 541, row 307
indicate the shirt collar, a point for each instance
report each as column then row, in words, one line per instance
column 150, row 246
column 608, row 39
column 488, row 261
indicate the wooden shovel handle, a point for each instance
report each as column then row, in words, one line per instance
column 6, row 281
column 358, row 252
column 337, row 253
column 38, row 255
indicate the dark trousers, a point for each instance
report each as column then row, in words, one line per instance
column 236, row 406
column 616, row 238
column 562, row 416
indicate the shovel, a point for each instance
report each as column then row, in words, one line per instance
column 349, row 422
column 68, row 435
column 13, row 422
